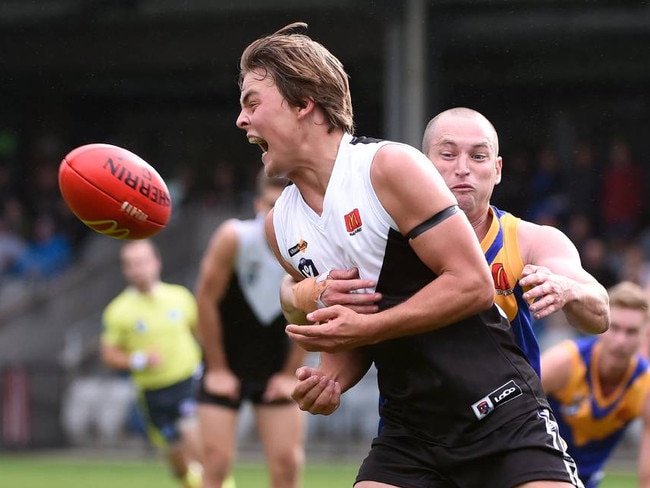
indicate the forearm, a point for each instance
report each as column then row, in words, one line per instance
column 209, row 330
column 119, row 359
column 589, row 311
column 446, row 300
column 295, row 359
column 291, row 313
column 347, row 368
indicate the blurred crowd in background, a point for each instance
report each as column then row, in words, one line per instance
column 599, row 196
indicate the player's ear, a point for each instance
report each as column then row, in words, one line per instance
column 306, row 108
column 498, row 166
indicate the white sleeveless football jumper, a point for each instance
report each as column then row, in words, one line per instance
column 450, row 386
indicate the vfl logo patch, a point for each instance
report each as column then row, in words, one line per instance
column 300, row 247
column 307, row 268
column 501, row 283
column 353, row 222
column 498, row 397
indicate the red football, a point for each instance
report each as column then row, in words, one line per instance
column 114, row 192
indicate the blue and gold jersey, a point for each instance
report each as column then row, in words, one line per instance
column 501, row 248
column 592, row 421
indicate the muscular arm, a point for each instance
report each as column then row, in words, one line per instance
column 412, row 191
column 557, row 279
column 215, row 274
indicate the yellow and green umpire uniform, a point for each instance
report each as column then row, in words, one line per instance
column 163, row 321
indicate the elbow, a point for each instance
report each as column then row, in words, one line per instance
column 486, row 299
column 602, row 325
column 482, row 293
column 596, row 322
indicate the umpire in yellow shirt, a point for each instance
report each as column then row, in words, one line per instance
column 148, row 329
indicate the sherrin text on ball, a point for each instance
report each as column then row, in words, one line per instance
column 114, row 191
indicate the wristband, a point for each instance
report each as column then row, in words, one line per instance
column 307, row 293
column 138, row 361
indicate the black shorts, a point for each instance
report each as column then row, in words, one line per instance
column 526, row 449
column 250, row 390
column 163, row 408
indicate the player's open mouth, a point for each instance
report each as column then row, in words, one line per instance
column 260, row 142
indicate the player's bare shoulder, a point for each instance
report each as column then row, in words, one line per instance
column 537, row 240
column 406, row 182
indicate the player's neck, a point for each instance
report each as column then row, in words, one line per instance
column 481, row 222
column 611, row 371
column 146, row 288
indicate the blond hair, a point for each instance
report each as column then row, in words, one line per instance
column 302, row 69
column 627, row 294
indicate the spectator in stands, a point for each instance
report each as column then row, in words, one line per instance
column 222, row 192
column 597, row 261
column 12, row 245
column 622, row 193
column 582, row 188
column 546, row 195
column 47, row 253
column 512, row 193
column 634, row 265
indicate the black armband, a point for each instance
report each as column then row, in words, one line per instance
column 432, row 221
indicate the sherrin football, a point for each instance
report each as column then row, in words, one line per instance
column 114, row 191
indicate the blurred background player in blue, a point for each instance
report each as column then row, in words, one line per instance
column 598, row 385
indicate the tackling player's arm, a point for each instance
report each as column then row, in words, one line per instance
column 557, row 279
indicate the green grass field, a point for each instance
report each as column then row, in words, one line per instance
column 39, row 471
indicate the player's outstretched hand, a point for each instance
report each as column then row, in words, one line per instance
column 336, row 329
column 347, row 289
column 315, row 392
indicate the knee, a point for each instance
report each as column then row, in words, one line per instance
column 288, row 462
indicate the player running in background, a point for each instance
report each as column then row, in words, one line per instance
column 248, row 356
column 149, row 331
column 481, row 419
column 598, row 385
